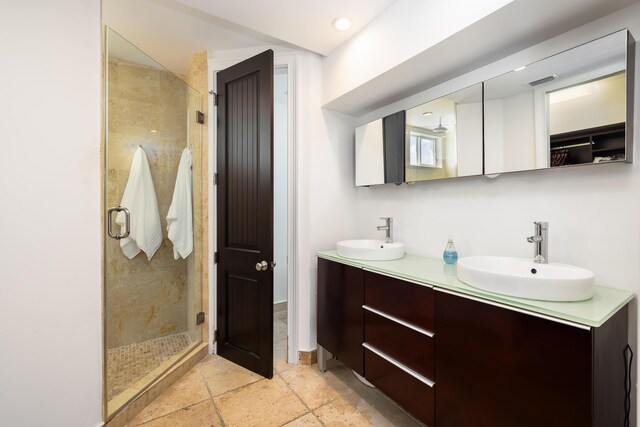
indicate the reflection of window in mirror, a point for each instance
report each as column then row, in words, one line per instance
column 443, row 137
column 423, row 151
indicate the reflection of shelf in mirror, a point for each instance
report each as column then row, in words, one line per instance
column 564, row 147
column 586, row 145
column 600, row 150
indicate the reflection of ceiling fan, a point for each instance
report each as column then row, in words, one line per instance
column 440, row 128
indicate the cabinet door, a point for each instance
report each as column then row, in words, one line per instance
column 393, row 126
column 497, row 367
column 340, row 313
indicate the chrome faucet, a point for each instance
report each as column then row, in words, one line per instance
column 388, row 228
column 540, row 241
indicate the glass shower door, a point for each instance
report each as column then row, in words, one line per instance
column 153, row 286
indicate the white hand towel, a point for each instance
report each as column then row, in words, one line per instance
column 140, row 198
column 180, row 215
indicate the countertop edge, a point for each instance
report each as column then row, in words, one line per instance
column 518, row 303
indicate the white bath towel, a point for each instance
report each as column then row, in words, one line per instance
column 140, row 198
column 180, row 215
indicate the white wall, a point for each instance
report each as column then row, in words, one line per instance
column 280, row 185
column 493, row 136
column 518, row 125
column 509, row 128
column 594, row 212
column 50, row 273
column 325, row 187
column 469, row 138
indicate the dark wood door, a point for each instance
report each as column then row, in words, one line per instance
column 245, row 213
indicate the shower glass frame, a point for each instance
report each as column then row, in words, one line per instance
column 194, row 262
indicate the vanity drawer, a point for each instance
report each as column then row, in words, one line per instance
column 407, row 301
column 411, row 347
column 412, row 394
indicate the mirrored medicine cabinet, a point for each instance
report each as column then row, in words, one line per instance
column 566, row 110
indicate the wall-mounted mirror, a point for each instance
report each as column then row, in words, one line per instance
column 443, row 137
column 565, row 110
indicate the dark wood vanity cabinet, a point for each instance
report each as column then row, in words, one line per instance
column 340, row 313
column 453, row 360
column 500, row 367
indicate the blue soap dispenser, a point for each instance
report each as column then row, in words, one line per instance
column 450, row 255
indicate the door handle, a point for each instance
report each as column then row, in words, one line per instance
column 262, row 266
column 127, row 222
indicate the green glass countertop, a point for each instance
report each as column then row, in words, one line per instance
column 434, row 272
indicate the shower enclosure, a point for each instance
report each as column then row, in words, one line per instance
column 151, row 306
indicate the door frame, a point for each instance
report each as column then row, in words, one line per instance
column 281, row 59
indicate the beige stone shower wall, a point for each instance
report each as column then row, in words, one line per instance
column 145, row 299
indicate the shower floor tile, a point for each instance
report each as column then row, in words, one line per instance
column 130, row 363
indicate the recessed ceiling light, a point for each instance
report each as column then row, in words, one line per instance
column 341, row 24
column 153, row 131
column 427, row 113
column 520, row 68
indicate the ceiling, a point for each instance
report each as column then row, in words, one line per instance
column 304, row 23
column 509, row 30
column 171, row 30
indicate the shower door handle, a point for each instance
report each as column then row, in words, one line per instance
column 127, row 222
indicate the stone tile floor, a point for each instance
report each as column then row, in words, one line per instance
column 218, row 393
column 129, row 363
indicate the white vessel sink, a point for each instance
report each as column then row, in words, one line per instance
column 521, row 277
column 371, row 250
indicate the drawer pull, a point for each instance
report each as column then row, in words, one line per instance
column 400, row 321
column 399, row 365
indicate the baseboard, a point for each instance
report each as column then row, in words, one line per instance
column 308, row 357
column 280, row 306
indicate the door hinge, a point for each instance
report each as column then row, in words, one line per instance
column 215, row 178
column 215, row 98
column 200, row 318
column 200, row 117
column 215, row 336
column 216, row 258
